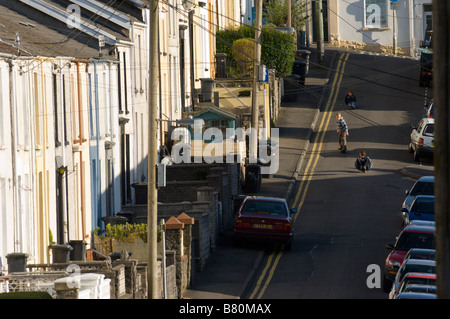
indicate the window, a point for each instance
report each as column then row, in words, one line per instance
column 38, row 113
column 221, row 125
column 92, row 111
column 55, row 109
column 2, row 114
column 376, row 13
column 64, row 107
column 429, row 130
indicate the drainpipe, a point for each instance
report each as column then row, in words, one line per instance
column 97, row 139
column 13, row 108
column 112, row 136
column 44, row 150
column 191, row 57
column 83, row 226
column 63, row 145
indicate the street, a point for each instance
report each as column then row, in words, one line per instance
column 347, row 217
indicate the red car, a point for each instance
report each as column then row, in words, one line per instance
column 412, row 236
column 413, row 278
column 265, row 218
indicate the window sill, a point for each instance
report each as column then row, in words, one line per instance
column 376, row 29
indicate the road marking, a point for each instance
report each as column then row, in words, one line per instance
column 317, row 147
column 307, row 175
column 263, row 274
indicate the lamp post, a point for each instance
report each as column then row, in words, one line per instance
column 394, row 34
column 152, row 192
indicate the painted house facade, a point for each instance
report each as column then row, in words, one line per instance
column 70, row 122
column 74, row 107
column 374, row 25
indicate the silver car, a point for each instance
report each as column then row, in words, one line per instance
column 422, row 139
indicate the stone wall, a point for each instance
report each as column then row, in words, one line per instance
column 370, row 47
column 184, row 180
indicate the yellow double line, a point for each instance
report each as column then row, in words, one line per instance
column 318, row 140
column 275, row 256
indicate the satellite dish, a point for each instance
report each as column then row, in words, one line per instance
column 187, row 4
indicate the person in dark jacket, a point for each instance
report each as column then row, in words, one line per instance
column 363, row 162
column 350, row 99
column 342, row 130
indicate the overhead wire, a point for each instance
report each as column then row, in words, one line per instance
column 215, row 35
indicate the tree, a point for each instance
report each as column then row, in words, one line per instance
column 277, row 13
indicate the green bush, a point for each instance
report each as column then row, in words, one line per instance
column 25, row 295
column 243, row 52
column 126, row 233
column 277, row 49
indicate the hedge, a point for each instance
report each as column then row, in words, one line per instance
column 277, row 49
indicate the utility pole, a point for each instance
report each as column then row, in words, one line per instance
column 289, row 14
column 256, row 63
column 191, row 57
column 441, row 90
column 152, row 192
column 319, row 31
column 394, row 32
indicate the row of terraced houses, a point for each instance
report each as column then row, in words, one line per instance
column 74, row 99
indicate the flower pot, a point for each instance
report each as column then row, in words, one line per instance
column 17, row 262
column 61, row 253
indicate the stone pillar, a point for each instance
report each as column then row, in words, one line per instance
column 67, row 287
column 210, row 195
column 188, row 223
column 175, row 241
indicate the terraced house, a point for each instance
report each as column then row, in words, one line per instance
column 74, row 107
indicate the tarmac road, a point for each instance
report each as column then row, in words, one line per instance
column 346, row 218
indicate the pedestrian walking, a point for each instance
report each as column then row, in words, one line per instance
column 342, row 130
column 350, row 99
column 363, row 162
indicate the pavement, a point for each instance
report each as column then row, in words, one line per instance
column 221, row 279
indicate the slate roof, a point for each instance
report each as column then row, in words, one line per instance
column 43, row 34
column 36, row 38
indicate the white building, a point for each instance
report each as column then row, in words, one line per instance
column 375, row 25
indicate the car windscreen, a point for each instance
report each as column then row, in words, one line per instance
column 422, row 255
column 423, row 205
column 423, row 188
column 264, row 208
column 410, row 240
column 423, row 281
column 415, row 268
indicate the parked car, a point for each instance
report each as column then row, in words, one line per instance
column 422, row 139
column 421, row 208
column 414, row 278
column 423, row 186
column 420, row 253
column 430, row 289
column 412, row 265
column 422, row 222
column 410, row 237
column 415, row 295
column 265, row 219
